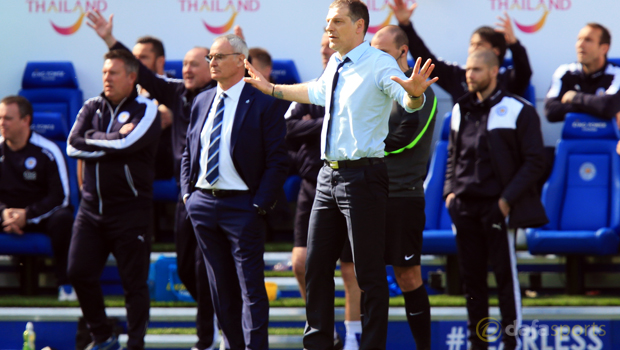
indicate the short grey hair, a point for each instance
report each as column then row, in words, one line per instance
column 236, row 42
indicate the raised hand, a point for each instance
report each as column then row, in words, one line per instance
column 102, row 27
column 402, row 12
column 418, row 82
column 257, row 80
column 238, row 32
column 505, row 27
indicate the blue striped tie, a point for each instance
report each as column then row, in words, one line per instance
column 213, row 173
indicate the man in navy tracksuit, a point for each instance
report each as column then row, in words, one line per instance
column 495, row 157
column 177, row 95
column 34, row 185
column 116, row 135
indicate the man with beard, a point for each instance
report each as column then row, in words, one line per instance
column 495, row 158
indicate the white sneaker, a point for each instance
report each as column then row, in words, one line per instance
column 66, row 293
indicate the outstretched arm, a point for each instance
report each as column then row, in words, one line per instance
column 295, row 92
column 417, row 83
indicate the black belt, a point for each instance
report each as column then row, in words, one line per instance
column 358, row 163
column 223, row 193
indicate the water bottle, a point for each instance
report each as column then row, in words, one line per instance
column 29, row 337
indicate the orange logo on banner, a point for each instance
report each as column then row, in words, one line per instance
column 66, row 7
column 220, row 6
column 542, row 6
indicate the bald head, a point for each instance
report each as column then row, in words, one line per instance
column 393, row 41
column 396, row 35
column 486, row 56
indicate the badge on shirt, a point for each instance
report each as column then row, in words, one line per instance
column 502, row 110
column 30, row 175
column 600, row 91
column 30, row 163
column 123, row 117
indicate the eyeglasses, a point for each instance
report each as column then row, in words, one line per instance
column 219, row 56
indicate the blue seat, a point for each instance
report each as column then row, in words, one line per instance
column 174, row 68
column 285, row 72
column 438, row 235
column 52, row 89
column 582, row 195
column 291, row 188
column 614, row 60
column 166, row 190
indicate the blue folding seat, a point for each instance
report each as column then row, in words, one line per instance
column 174, row 68
column 582, row 195
column 285, row 72
column 291, row 187
column 52, row 89
column 438, row 237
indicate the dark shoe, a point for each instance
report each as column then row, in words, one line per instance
column 110, row 344
column 338, row 343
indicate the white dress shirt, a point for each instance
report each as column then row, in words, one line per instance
column 229, row 177
column 362, row 103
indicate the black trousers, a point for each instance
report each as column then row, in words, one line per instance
column 125, row 235
column 231, row 236
column 349, row 202
column 193, row 274
column 58, row 226
column 482, row 236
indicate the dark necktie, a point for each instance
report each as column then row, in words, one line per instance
column 213, row 173
column 331, row 101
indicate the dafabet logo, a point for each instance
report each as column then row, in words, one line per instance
column 220, row 6
column 538, row 8
column 65, row 11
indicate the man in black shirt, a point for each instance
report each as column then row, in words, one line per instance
column 34, row 185
column 407, row 149
column 451, row 76
column 495, row 157
column 591, row 85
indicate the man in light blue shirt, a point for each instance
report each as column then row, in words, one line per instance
column 357, row 89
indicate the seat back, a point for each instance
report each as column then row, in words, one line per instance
column 285, row 72
column 174, row 68
column 614, row 60
column 437, row 216
column 52, row 89
column 583, row 191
